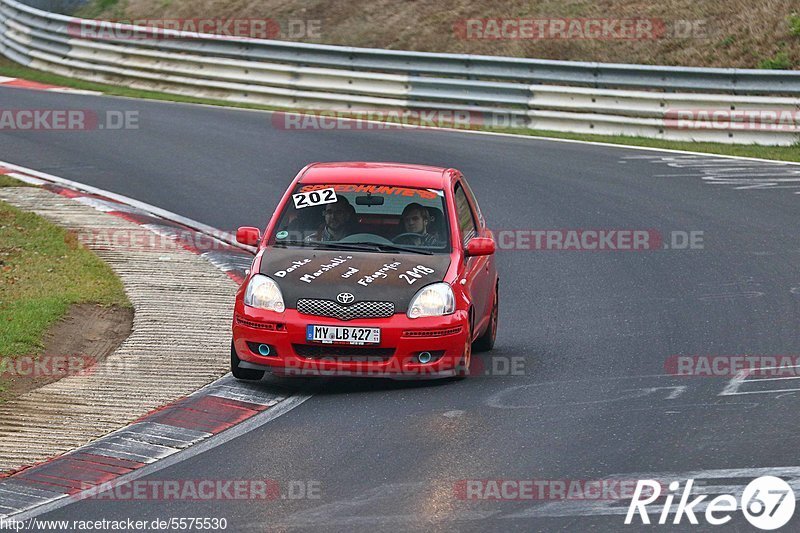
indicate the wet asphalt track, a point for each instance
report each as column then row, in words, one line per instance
column 593, row 329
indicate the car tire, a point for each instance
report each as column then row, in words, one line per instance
column 485, row 342
column 244, row 374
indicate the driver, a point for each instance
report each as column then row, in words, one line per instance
column 339, row 222
column 415, row 220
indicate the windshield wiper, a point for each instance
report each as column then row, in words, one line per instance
column 395, row 248
column 359, row 246
column 366, row 247
column 293, row 243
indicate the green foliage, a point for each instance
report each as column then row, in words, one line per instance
column 727, row 41
column 794, row 24
column 780, row 61
column 43, row 271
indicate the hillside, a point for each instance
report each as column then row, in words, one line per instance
column 720, row 33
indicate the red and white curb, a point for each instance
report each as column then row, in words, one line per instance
column 214, row 414
column 19, row 83
column 167, row 431
column 218, row 247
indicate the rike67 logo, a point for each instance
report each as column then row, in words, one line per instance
column 767, row 503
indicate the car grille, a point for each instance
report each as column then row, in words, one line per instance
column 333, row 309
column 349, row 353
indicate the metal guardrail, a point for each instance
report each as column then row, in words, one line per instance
column 652, row 101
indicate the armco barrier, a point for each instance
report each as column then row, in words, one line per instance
column 753, row 106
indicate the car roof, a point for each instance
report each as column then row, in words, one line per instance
column 377, row 174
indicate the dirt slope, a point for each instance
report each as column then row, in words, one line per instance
column 740, row 33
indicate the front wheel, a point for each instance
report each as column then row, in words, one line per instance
column 486, row 341
column 244, row 374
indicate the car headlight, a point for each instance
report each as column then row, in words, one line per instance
column 264, row 293
column 433, row 300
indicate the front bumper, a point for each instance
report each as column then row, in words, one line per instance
column 402, row 339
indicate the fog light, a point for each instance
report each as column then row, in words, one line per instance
column 425, row 357
column 264, row 350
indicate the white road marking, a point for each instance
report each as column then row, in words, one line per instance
column 730, row 296
column 25, row 179
column 505, row 399
column 676, row 391
column 704, row 484
column 69, row 90
column 759, row 380
column 734, row 386
column 745, row 175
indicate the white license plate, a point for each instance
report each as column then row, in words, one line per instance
column 344, row 335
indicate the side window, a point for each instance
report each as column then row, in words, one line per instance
column 471, row 195
column 466, row 220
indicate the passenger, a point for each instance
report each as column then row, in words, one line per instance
column 339, row 222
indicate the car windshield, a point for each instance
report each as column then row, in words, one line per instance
column 365, row 216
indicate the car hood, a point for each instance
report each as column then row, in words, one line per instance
column 368, row 276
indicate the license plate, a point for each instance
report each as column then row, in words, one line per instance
column 343, row 335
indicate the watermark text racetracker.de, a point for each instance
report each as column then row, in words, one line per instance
column 579, row 29
column 146, row 240
column 51, row 366
column 544, row 489
column 493, row 365
column 391, row 119
column 67, row 120
column 189, row 28
column 595, row 240
column 202, row 490
column 728, row 366
column 776, row 120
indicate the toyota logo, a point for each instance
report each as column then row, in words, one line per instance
column 345, row 298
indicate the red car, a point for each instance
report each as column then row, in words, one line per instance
column 368, row 269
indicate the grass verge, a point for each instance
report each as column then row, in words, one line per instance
column 14, row 70
column 780, row 153
column 43, row 271
column 7, row 181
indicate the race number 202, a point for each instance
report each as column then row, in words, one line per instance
column 310, row 199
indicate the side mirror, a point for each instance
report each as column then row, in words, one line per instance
column 480, row 246
column 248, row 235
